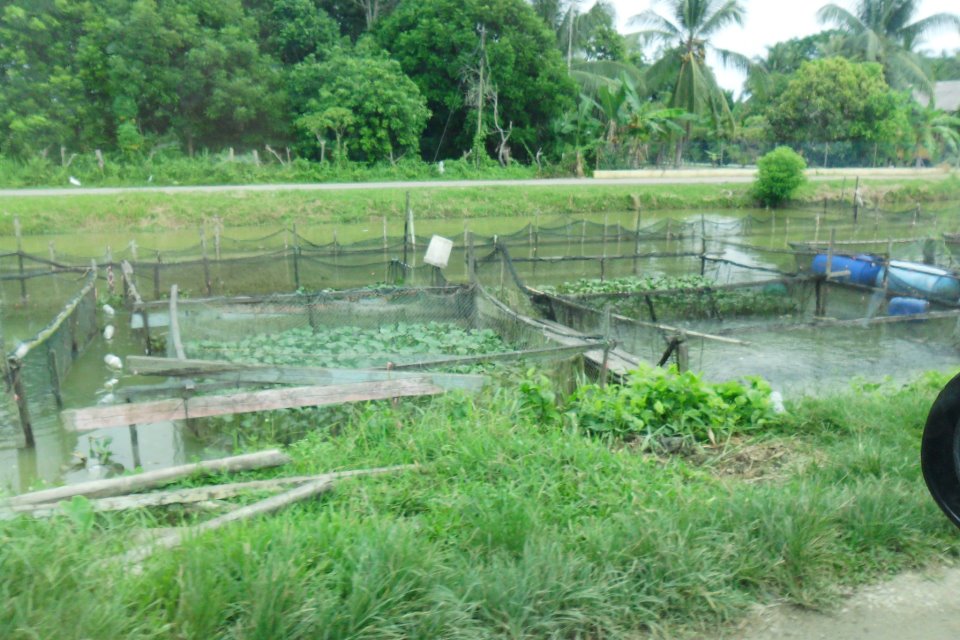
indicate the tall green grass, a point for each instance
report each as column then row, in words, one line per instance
column 514, row 529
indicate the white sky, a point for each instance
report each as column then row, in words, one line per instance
column 771, row 21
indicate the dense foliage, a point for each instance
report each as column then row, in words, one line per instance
column 549, row 83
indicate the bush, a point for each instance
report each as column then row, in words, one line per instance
column 779, row 175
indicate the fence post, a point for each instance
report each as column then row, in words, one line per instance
column 156, row 277
column 856, row 200
column 206, row 260
column 636, row 237
column 53, row 254
column 296, row 258
column 54, row 376
column 23, row 281
column 217, row 225
column 916, row 214
column 412, row 232
column 603, row 250
column 703, row 245
column 22, row 409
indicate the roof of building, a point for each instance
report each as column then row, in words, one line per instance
column 946, row 95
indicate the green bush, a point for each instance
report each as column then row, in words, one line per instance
column 779, row 175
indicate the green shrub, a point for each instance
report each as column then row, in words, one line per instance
column 779, row 175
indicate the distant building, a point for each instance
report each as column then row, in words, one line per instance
column 946, row 96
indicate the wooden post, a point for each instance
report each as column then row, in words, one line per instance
column 683, row 355
column 23, row 281
column 53, row 254
column 206, row 261
column 703, row 245
column 916, row 214
column 54, row 377
column 296, row 258
column 636, row 238
column 177, row 344
column 23, row 410
column 471, row 259
column 824, row 206
column 856, row 200
column 133, row 250
column 619, row 233
column 929, row 251
column 583, row 235
column 816, row 232
column 156, row 277
column 412, row 232
column 603, row 251
column 217, row 227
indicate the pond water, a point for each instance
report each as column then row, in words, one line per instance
column 794, row 360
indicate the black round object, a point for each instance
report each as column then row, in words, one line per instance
column 940, row 450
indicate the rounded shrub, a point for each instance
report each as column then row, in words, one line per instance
column 779, row 175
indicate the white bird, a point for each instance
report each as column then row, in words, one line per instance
column 74, row 181
column 108, row 332
column 21, row 351
column 107, row 399
column 110, row 311
column 111, row 383
column 440, row 168
column 113, row 361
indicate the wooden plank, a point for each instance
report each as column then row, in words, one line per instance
column 193, row 495
column 151, row 479
column 245, row 373
column 243, row 402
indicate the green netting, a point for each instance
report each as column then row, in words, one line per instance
column 43, row 362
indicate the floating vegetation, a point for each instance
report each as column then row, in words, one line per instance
column 690, row 297
column 354, row 347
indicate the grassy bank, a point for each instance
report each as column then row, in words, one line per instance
column 517, row 527
column 161, row 211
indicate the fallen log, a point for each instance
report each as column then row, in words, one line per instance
column 155, row 411
column 151, row 479
column 195, row 495
column 169, row 540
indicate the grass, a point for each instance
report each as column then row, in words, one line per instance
column 513, row 530
column 152, row 211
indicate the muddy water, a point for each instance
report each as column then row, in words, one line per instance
column 794, row 361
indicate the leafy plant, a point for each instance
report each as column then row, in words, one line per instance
column 660, row 403
column 779, row 175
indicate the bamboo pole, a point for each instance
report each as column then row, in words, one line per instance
column 193, row 495
column 151, row 479
column 173, row 539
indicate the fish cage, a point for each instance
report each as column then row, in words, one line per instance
column 35, row 368
column 799, row 329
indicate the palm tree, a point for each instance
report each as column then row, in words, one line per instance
column 685, row 36
column 882, row 31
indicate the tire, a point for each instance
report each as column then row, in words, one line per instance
column 940, row 450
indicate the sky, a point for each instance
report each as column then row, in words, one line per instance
column 771, row 21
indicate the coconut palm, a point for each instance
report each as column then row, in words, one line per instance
column 884, row 31
column 685, row 36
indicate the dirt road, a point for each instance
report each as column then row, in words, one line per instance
column 912, row 606
column 613, row 178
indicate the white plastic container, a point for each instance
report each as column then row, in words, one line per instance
column 438, row 252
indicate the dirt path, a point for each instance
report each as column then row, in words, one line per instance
column 921, row 606
column 610, row 178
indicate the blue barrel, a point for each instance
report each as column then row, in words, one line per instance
column 907, row 306
column 863, row 269
column 919, row 279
